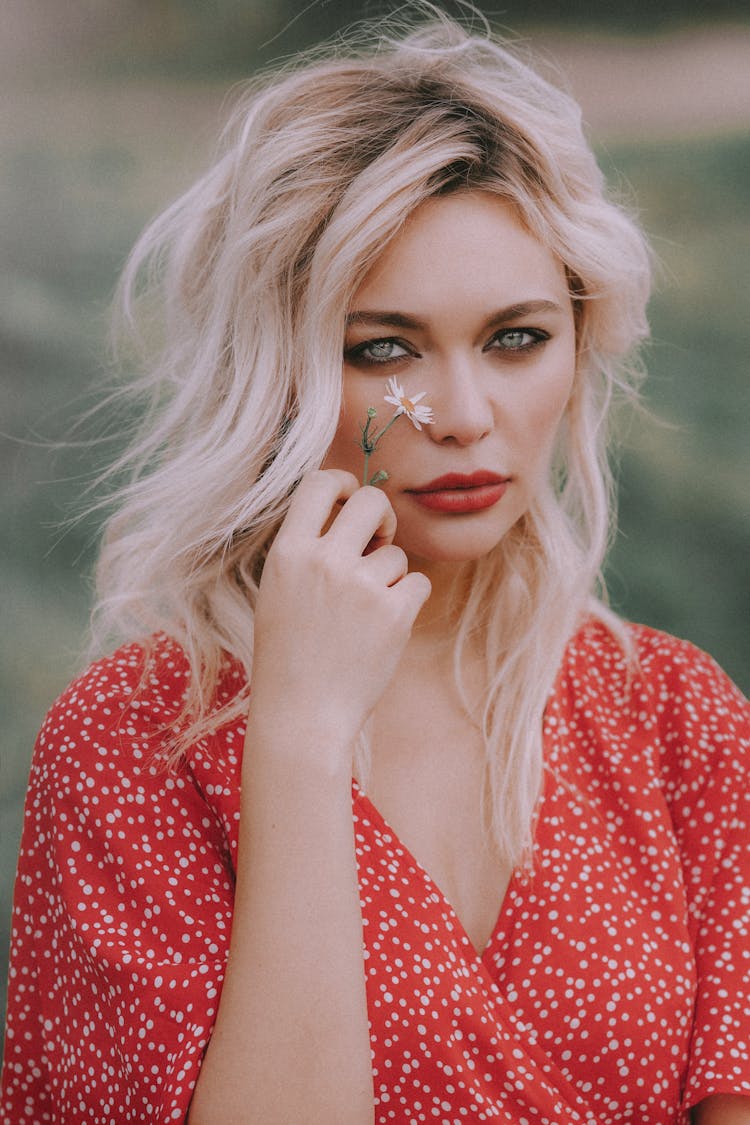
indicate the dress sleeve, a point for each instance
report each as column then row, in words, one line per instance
column 121, row 919
column 707, row 740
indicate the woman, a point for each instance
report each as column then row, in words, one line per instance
column 531, row 904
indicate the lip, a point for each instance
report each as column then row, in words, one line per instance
column 461, row 492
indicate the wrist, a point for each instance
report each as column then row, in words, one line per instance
column 310, row 745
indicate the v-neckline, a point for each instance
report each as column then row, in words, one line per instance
column 517, row 875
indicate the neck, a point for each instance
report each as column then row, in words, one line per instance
column 450, row 588
column 429, row 655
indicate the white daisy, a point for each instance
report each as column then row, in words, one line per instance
column 417, row 415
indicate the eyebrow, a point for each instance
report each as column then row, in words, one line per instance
column 403, row 320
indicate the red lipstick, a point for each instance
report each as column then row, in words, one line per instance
column 459, row 492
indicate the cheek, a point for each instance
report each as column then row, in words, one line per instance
column 545, row 407
column 344, row 451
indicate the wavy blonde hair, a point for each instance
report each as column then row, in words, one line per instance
column 252, row 271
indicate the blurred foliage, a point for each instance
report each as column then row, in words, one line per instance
column 681, row 559
column 192, row 34
column 77, row 186
column 226, row 36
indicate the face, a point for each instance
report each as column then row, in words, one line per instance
column 469, row 308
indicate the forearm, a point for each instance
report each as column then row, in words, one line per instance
column 291, row 1041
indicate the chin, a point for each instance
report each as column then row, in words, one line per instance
column 458, row 547
column 454, row 538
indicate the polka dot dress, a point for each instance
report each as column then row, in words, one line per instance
column 615, row 986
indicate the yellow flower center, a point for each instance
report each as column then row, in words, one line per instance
column 408, row 404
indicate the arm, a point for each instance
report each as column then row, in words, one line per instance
column 116, row 959
column 291, row 1041
column 722, row 1109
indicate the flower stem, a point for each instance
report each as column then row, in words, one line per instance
column 388, row 425
column 369, row 445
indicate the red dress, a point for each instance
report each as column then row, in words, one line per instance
column 616, row 984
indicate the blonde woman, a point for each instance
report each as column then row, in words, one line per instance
column 531, row 903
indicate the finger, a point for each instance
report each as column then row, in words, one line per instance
column 366, row 517
column 387, row 565
column 314, row 500
column 414, row 589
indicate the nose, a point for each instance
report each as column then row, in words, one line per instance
column 461, row 403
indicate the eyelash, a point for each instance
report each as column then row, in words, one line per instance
column 356, row 355
column 538, row 337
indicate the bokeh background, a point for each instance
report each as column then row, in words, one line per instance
column 110, row 108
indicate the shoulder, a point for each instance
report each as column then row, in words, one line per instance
column 662, row 658
column 649, row 663
column 104, row 739
column 107, row 758
column 124, row 727
column 132, row 693
column 143, row 687
column 694, row 700
column 648, row 688
column 134, row 708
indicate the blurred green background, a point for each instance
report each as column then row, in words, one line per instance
column 111, row 108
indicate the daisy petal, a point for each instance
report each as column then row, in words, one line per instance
column 417, row 415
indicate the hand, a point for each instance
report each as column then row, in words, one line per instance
column 334, row 612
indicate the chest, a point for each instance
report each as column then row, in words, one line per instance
column 427, row 781
column 588, row 966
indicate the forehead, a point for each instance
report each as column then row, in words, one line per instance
column 471, row 243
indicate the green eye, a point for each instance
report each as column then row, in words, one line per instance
column 384, row 350
column 517, row 339
column 381, row 349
